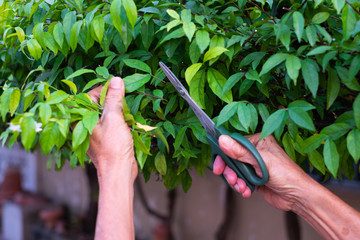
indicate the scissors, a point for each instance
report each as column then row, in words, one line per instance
column 243, row 170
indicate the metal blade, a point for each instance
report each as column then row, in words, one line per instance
column 205, row 120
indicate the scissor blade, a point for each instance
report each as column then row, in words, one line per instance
column 205, row 120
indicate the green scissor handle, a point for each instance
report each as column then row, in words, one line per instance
column 243, row 170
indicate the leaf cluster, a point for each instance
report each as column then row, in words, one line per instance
column 288, row 68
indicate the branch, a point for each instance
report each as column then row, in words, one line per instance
column 262, row 10
column 149, row 95
column 353, row 7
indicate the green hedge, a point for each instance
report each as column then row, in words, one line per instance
column 288, row 68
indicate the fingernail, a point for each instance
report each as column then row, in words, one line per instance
column 237, row 188
column 116, row 83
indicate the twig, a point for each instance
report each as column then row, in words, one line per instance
column 99, row 10
column 353, row 7
column 149, row 95
column 262, row 10
column 240, row 11
column 252, row 35
column 140, row 132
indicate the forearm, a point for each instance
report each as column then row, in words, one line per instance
column 115, row 213
column 327, row 213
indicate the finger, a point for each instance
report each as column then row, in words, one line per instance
column 247, row 193
column 219, row 166
column 114, row 96
column 234, row 149
column 241, row 185
column 230, row 176
column 95, row 93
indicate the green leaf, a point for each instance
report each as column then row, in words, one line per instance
column 301, row 118
column 310, row 75
column 289, row 146
column 28, row 132
column 244, row 115
column 74, row 35
column 299, row 23
column 79, row 72
column 139, row 143
column 189, row 29
column 356, row 108
column 331, row 157
column 115, row 14
column 197, row 88
column 311, row 34
column 98, row 27
column 329, row 56
column 103, row 72
column 191, row 71
column 216, row 82
column 50, row 42
column 352, row 142
column 135, row 81
column 45, row 112
column 34, row 48
column 338, row 4
column 172, row 24
column 272, row 62
column 293, row 65
column 103, row 92
column 137, row 64
column 14, row 100
column 160, row 163
column 90, row 120
column 313, row 142
column 213, row 53
column 230, row 83
column 58, row 33
column 92, row 83
column 317, row 160
column 263, row 111
column 348, row 21
column 169, row 127
column 253, row 75
column 305, row 106
column 57, row 97
column 202, row 39
column 273, row 122
column 179, row 138
column 319, row 50
column 227, row 112
column 20, row 34
column 253, row 58
column 186, row 181
column 49, row 137
column 173, row 14
column 333, row 88
column 131, row 11
column 79, row 135
column 71, row 85
column 178, row 33
column 320, row 17
column 323, row 32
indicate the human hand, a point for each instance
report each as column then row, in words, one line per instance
column 286, row 178
column 111, row 144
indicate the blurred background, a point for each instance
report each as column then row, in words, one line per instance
column 37, row 203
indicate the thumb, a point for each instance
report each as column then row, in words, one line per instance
column 235, row 150
column 114, row 96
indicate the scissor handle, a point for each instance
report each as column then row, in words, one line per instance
column 242, row 170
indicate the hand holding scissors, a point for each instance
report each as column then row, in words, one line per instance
column 242, row 170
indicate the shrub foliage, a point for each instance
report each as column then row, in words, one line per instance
column 288, row 68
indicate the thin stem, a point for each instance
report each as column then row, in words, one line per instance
column 262, row 10
column 149, row 95
column 140, row 132
column 240, row 11
column 247, row 40
column 99, row 10
column 158, row 78
column 353, row 7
